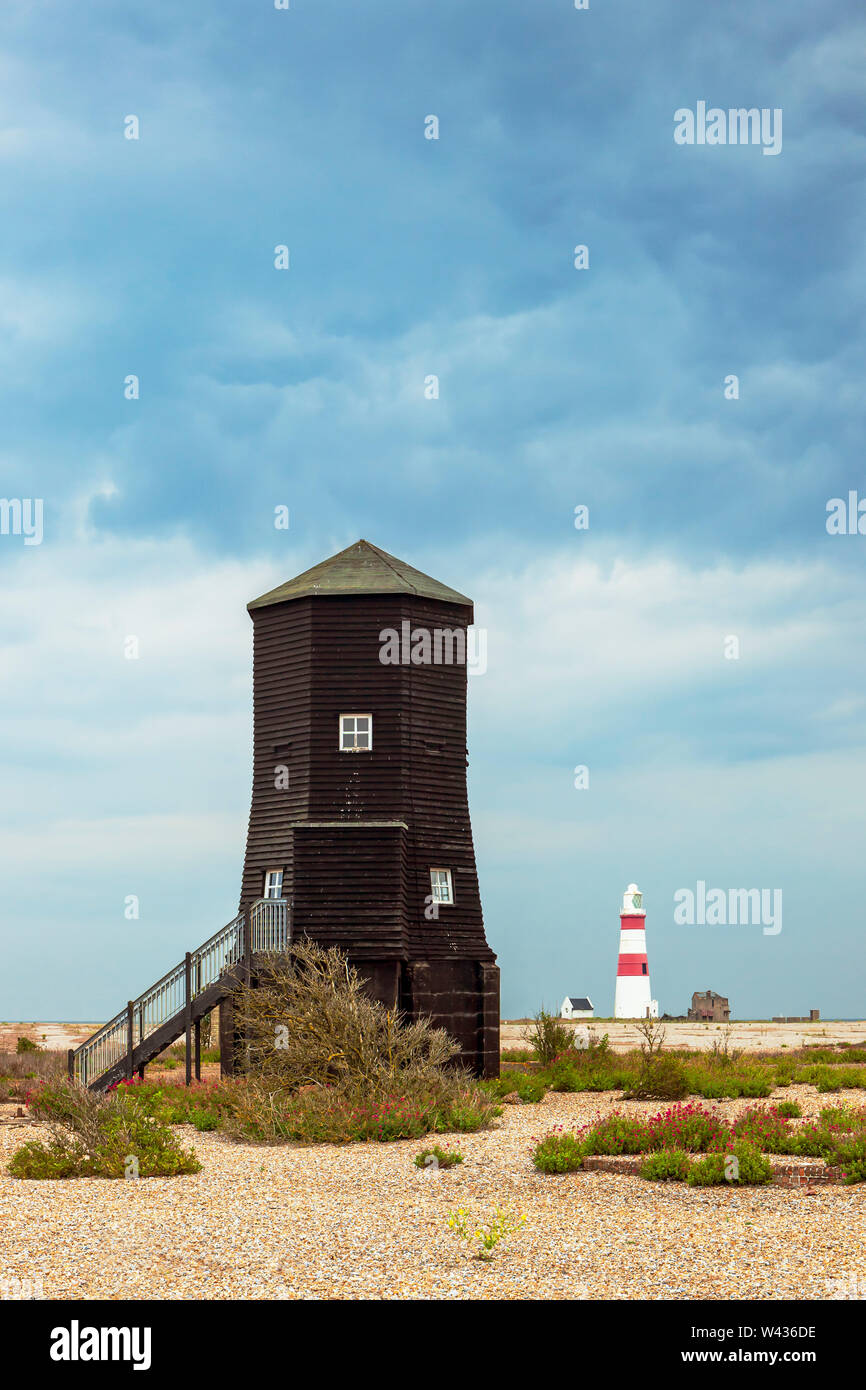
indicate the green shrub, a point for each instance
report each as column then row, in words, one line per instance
column 828, row 1081
column 616, row 1134
column 662, row 1078
column 850, row 1156
column 263, row 1111
column 754, row 1080
column 595, row 1056
column 752, row 1169
column 563, row 1075
column 56, row 1100
column 687, row 1127
column 548, row 1037
column 788, row 1109
column 727, row 1083
column 166, row 1102
column 764, row 1127
column 179, row 1105
column 27, row 1045
column 561, row 1151
column 666, row 1165
column 606, row 1079
column 96, row 1136
column 445, row 1158
column 843, row 1117
column 808, row 1141
column 852, row 1078
column 843, row 1053
column 465, row 1115
column 206, row 1120
column 258, row 1112
column 712, row 1085
column 55, row 1159
column 531, row 1087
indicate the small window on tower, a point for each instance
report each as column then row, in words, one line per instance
column 356, row 733
column 440, row 883
column 274, row 883
column 643, row 969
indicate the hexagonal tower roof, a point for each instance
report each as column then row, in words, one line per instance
column 361, row 568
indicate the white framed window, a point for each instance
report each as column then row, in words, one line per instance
column 441, row 887
column 356, row 733
column 274, row 883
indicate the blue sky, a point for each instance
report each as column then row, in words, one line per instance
column 558, row 387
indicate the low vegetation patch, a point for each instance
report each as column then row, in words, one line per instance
column 648, row 1072
column 850, row 1155
column 481, row 1236
column 259, row 1113
column 100, row 1136
column 328, row 1064
column 438, row 1158
column 325, row 1065
column 689, row 1127
column 529, row 1086
column 560, row 1151
column 668, row 1165
column 662, row 1078
column 735, row 1151
column 741, row 1165
column 19, row 1070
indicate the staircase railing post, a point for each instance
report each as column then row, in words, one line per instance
column 130, row 1040
column 70, row 1063
column 141, row 1037
column 198, row 1020
column 248, row 946
column 187, row 973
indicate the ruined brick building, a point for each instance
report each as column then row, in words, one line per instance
column 709, row 1007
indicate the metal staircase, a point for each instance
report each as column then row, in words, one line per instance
column 176, row 1004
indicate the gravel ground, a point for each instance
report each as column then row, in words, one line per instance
column 360, row 1222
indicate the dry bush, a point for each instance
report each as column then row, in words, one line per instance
column 39, row 1062
column 19, row 1070
column 723, row 1053
column 307, row 1021
column 327, row 1064
column 652, row 1032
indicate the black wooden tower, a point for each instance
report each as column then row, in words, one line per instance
column 359, row 816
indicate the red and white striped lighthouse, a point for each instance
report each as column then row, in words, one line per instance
column 633, row 997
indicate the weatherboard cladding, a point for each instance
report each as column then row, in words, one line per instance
column 360, row 885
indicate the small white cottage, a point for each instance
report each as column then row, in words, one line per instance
column 576, row 1008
